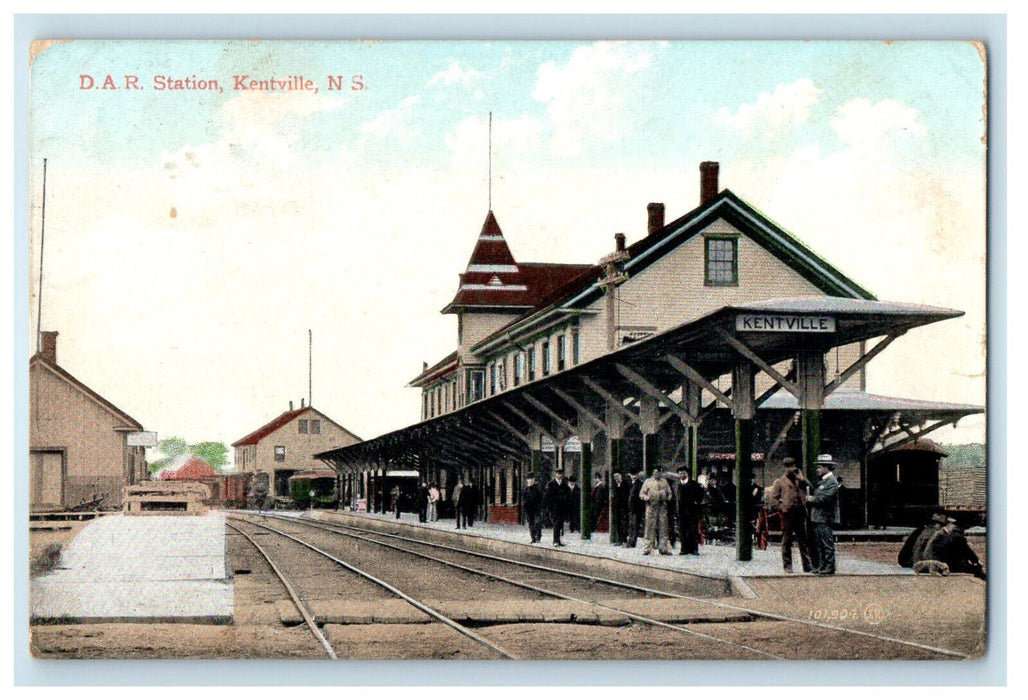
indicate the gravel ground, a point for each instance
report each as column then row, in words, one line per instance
column 940, row 612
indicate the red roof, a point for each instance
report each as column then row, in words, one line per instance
column 446, row 365
column 267, row 429
column 493, row 279
column 194, row 468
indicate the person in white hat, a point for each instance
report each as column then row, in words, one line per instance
column 824, row 512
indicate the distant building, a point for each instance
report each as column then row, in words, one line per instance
column 78, row 440
column 287, row 445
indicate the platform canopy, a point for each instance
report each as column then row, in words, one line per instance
column 580, row 400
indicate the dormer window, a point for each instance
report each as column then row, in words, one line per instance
column 495, row 281
column 721, row 261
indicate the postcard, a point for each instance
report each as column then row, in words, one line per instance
column 507, row 350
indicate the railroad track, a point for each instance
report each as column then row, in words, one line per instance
column 385, row 539
column 309, row 619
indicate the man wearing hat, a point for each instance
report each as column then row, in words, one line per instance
column 824, row 512
column 690, row 511
column 532, row 503
column 787, row 498
column 557, row 500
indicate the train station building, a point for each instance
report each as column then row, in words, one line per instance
column 717, row 341
column 285, row 446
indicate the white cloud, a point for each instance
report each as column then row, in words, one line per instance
column 585, row 96
column 773, row 112
column 860, row 121
column 455, row 75
column 394, row 123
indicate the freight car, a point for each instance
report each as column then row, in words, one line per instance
column 315, row 488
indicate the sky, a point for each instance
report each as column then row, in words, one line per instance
column 193, row 237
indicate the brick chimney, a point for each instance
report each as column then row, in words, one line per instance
column 619, row 242
column 290, row 405
column 708, row 181
column 49, row 346
column 655, row 217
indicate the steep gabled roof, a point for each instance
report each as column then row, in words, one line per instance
column 575, row 286
column 752, row 223
column 494, row 280
column 284, row 419
column 130, row 423
column 445, row 365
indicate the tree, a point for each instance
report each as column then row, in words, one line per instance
column 173, row 447
column 214, row 453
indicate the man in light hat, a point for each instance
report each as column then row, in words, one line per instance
column 824, row 512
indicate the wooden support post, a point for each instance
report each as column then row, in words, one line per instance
column 810, row 370
column 692, row 399
column 587, row 480
column 744, row 410
column 692, row 437
column 649, row 416
column 743, row 487
column 811, row 420
column 615, row 454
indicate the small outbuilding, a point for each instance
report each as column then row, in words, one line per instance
column 79, row 451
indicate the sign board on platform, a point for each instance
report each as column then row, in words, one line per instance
column 784, row 323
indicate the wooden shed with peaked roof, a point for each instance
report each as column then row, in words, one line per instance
column 79, row 451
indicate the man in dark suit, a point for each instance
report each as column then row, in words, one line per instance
column 557, row 500
column 619, row 509
column 532, row 503
column 575, row 506
column 636, row 509
column 600, row 498
column 469, row 500
column 690, row 511
column 824, row 512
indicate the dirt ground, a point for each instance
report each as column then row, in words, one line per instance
column 886, row 552
column 46, row 541
column 944, row 613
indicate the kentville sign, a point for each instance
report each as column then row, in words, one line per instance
column 785, row 323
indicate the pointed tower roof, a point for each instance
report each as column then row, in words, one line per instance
column 491, row 254
column 494, row 281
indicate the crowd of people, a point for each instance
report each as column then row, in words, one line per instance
column 669, row 507
column 662, row 509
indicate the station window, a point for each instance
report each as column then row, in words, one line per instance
column 519, row 368
column 576, row 347
column 492, row 379
column 315, row 427
column 562, row 352
column 546, row 357
column 303, row 426
column 721, row 261
column 503, row 374
column 476, row 387
column 280, row 453
column 531, row 363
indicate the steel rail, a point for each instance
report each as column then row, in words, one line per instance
column 392, row 589
column 544, row 591
column 727, row 606
column 301, row 606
